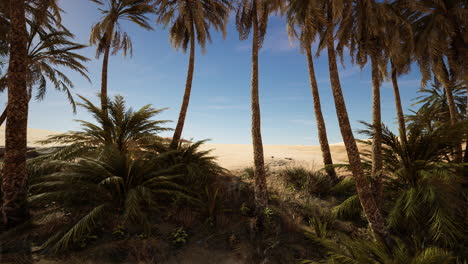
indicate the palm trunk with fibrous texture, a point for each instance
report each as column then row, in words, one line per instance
column 364, row 190
column 188, row 89
column 377, row 162
column 105, row 67
column 398, row 106
column 14, row 179
column 443, row 76
column 260, row 189
column 322, row 130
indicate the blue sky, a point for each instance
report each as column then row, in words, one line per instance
column 220, row 103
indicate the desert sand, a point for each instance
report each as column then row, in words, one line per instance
column 34, row 135
column 237, row 156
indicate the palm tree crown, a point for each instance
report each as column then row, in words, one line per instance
column 108, row 31
column 190, row 19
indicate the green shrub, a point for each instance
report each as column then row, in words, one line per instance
column 315, row 182
column 114, row 188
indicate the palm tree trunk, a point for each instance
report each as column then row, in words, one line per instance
column 260, row 189
column 399, row 108
column 377, row 162
column 105, row 68
column 14, row 184
column 364, row 189
column 443, row 76
column 3, row 116
column 188, row 90
column 322, row 130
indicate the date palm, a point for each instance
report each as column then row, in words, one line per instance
column 47, row 51
column 108, row 33
column 399, row 48
column 304, row 21
column 252, row 16
column 14, row 186
column 124, row 128
column 14, row 180
column 364, row 34
column 339, row 13
column 190, row 21
column 440, row 35
column 114, row 189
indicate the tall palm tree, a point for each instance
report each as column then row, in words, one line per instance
column 14, row 186
column 440, row 36
column 252, row 15
column 108, row 34
column 48, row 50
column 308, row 18
column 399, row 48
column 338, row 12
column 190, row 21
column 364, row 33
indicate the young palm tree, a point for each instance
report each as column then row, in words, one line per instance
column 107, row 34
column 190, row 21
column 433, row 102
column 425, row 184
column 252, row 15
column 358, row 251
column 114, row 189
column 48, row 50
column 14, row 186
column 308, row 18
column 335, row 13
column 126, row 129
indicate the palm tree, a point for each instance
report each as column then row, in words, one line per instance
column 108, row 33
column 399, row 48
column 308, row 18
column 252, row 15
column 364, row 34
column 433, row 103
column 190, row 21
column 334, row 14
column 114, row 189
column 351, row 250
column 125, row 129
column 14, row 186
column 48, row 50
column 440, row 35
column 425, row 184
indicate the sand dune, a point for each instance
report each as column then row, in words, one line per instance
column 238, row 156
column 34, row 135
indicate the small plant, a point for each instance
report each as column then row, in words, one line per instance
column 248, row 173
column 119, row 231
column 244, row 209
column 86, row 240
column 142, row 236
column 179, row 237
column 268, row 212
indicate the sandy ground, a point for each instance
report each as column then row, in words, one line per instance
column 238, row 156
column 33, row 136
